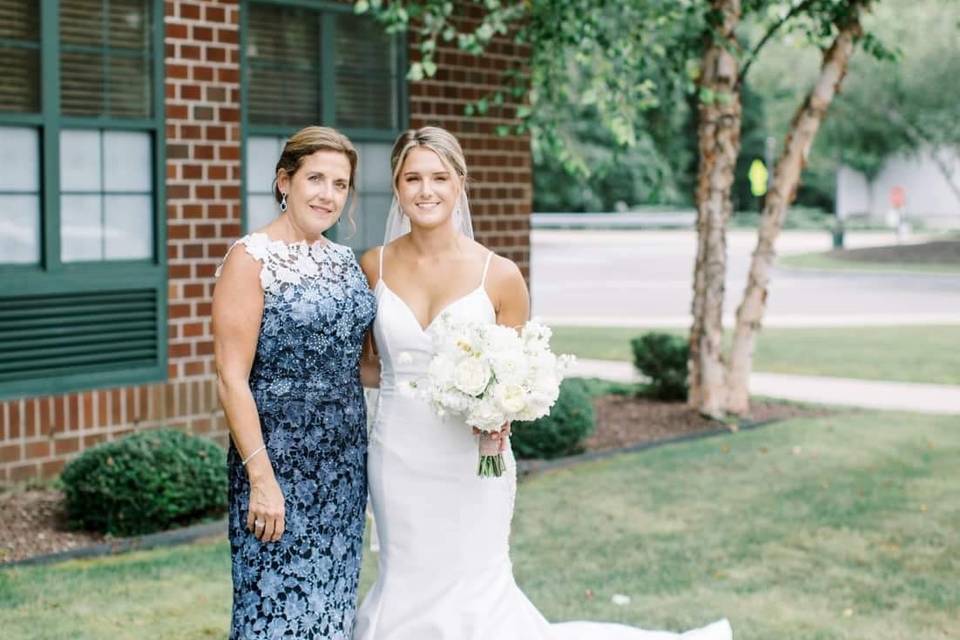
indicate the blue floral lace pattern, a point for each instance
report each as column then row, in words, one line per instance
column 306, row 384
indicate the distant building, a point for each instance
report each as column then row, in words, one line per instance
column 927, row 194
column 138, row 140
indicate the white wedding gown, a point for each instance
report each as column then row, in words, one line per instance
column 444, row 565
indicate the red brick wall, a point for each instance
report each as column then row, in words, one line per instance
column 203, row 216
column 500, row 168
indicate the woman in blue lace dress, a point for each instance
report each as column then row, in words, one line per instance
column 290, row 313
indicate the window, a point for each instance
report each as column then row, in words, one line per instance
column 327, row 66
column 82, row 265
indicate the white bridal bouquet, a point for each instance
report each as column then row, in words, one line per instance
column 491, row 374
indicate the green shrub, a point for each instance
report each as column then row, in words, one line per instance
column 562, row 431
column 662, row 357
column 145, row 482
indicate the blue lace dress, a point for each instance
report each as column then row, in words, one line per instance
column 306, row 384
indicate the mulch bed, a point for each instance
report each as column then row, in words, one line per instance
column 936, row 252
column 623, row 420
column 35, row 524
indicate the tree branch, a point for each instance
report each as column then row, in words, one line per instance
column 770, row 33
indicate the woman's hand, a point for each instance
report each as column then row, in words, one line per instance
column 265, row 517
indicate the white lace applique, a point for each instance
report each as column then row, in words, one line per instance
column 281, row 263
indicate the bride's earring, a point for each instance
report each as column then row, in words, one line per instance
column 283, row 202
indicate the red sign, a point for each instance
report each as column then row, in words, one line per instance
column 898, row 197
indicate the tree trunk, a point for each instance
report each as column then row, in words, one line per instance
column 786, row 178
column 719, row 117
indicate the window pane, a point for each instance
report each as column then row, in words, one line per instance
column 81, row 228
column 283, row 66
column 19, row 19
column 19, row 229
column 129, row 24
column 128, row 228
column 81, row 84
column 19, row 56
column 130, row 87
column 80, row 160
column 105, row 58
column 19, row 159
column 374, row 170
column 127, row 161
column 260, row 211
column 81, row 22
column 366, row 74
column 262, row 156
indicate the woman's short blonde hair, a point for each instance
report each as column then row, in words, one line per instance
column 308, row 141
column 438, row 140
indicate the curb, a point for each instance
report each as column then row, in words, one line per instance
column 173, row 537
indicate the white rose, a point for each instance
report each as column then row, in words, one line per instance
column 471, row 376
column 510, row 397
column 485, row 415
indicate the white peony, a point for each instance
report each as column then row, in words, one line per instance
column 509, row 367
column 471, row 375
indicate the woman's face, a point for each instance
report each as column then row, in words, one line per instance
column 317, row 191
column 427, row 189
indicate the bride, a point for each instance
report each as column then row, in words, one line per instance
column 445, row 571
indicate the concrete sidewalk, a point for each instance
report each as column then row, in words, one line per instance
column 869, row 394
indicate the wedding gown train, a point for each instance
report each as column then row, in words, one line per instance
column 444, row 565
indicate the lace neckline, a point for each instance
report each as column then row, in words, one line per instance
column 260, row 236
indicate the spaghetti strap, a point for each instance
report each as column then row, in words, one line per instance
column 380, row 267
column 486, row 266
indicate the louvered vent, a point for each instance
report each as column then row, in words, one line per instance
column 67, row 334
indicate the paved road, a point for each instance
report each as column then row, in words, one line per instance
column 643, row 279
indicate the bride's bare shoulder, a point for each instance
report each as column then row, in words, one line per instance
column 370, row 264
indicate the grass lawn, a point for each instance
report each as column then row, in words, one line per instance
column 906, row 354
column 826, row 262
column 830, row 528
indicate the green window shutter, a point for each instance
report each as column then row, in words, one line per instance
column 366, row 74
column 105, row 58
column 75, row 335
column 19, row 56
column 283, row 66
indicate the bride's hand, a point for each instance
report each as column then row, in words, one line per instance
column 265, row 517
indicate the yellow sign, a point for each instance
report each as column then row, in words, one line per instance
column 758, row 178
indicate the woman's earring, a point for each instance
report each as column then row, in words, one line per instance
column 283, row 202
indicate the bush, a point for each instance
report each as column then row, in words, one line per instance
column 148, row 481
column 562, row 431
column 662, row 357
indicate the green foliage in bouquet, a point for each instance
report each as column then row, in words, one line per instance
column 146, row 482
column 561, row 432
column 662, row 357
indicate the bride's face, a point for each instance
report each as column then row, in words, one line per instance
column 427, row 189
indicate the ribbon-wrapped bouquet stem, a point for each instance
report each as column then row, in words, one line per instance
column 490, row 375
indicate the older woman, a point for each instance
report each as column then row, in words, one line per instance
column 290, row 312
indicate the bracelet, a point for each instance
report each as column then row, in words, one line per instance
column 255, row 452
